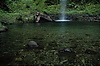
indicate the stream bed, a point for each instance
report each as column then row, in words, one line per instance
column 69, row 43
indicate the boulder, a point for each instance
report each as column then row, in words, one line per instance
column 32, row 44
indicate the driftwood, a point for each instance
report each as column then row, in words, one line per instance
column 40, row 17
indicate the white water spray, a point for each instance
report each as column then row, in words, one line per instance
column 62, row 16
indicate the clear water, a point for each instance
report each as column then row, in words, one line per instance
column 52, row 37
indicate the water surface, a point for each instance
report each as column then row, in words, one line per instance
column 82, row 38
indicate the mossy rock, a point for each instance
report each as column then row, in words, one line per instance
column 3, row 28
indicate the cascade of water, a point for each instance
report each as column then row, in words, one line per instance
column 62, row 16
column 62, row 9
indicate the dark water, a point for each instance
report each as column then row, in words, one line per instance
column 82, row 38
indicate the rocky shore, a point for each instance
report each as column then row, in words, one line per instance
column 79, row 17
column 24, row 19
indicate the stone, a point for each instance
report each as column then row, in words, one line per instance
column 88, row 51
column 65, row 50
column 32, row 44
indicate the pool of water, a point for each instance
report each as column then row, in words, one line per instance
column 81, row 38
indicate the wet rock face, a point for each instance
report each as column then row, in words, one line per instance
column 32, row 44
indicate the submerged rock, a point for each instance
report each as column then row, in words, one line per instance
column 66, row 51
column 88, row 51
column 32, row 44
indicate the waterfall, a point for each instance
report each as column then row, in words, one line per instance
column 62, row 10
column 62, row 16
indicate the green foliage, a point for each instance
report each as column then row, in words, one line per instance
column 8, row 17
column 84, row 1
column 20, row 6
column 52, row 2
column 53, row 9
column 26, row 5
column 93, row 9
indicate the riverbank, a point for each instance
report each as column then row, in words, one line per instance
column 13, row 18
column 87, row 12
column 17, row 18
column 79, row 17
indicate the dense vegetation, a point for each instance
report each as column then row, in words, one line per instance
column 19, row 5
column 27, row 8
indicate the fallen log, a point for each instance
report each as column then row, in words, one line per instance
column 40, row 17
